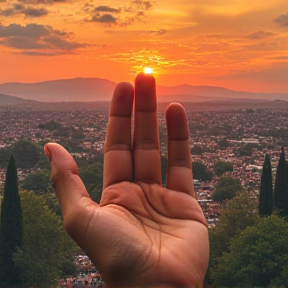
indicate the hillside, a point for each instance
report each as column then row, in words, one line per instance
column 7, row 99
column 78, row 89
column 95, row 89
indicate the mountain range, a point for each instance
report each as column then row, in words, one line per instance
column 7, row 99
column 96, row 89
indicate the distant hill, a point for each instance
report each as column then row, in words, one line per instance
column 95, row 89
column 182, row 92
column 78, row 89
column 7, row 99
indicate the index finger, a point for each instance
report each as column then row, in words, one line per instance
column 118, row 164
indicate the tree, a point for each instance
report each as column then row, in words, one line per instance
column 92, row 177
column 237, row 214
column 266, row 189
column 247, row 149
column 27, row 154
column 281, row 186
column 226, row 188
column 223, row 144
column 10, row 226
column 51, row 125
column 201, row 172
column 197, row 150
column 222, row 166
column 46, row 247
column 38, row 181
column 258, row 257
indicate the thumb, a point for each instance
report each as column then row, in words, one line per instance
column 70, row 190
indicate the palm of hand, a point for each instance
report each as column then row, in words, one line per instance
column 147, row 234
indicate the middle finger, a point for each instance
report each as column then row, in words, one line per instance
column 147, row 161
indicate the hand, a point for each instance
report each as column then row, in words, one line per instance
column 141, row 234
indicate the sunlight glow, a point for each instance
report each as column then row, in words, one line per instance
column 148, row 70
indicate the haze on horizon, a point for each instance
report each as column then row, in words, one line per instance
column 239, row 44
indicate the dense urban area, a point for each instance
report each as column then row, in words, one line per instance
column 226, row 141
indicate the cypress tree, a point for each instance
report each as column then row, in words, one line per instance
column 266, row 189
column 10, row 227
column 281, row 186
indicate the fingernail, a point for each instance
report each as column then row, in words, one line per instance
column 48, row 153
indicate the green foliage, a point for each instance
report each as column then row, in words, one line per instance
column 92, row 177
column 45, row 247
column 98, row 157
column 38, row 181
column 70, row 145
column 258, row 257
column 69, row 268
column 221, row 167
column 26, row 153
column 5, row 154
column 43, row 162
column 62, row 132
column 266, row 189
column 10, row 226
column 77, row 134
column 197, row 150
column 223, row 144
column 238, row 214
column 247, row 149
column 226, row 188
column 201, row 172
column 52, row 202
column 59, row 130
column 281, row 186
column 51, row 125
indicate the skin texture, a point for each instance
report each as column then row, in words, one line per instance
column 141, row 234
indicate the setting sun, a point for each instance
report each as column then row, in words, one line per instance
column 148, row 70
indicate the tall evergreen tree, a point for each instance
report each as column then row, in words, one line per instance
column 281, row 186
column 10, row 227
column 266, row 189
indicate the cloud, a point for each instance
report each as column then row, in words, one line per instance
column 158, row 32
column 7, row 12
column 34, row 12
column 145, row 5
column 60, row 43
column 48, row 2
column 282, row 20
column 35, row 39
column 29, row 31
column 105, row 19
column 20, row 42
column 27, row 11
column 130, row 13
column 259, row 35
column 39, row 53
column 106, row 9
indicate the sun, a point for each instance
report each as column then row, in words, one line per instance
column 148, row 70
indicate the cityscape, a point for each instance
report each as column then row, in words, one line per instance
column 262, row 131
column 220, row 132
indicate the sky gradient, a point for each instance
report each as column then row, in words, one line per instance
column 237, row 44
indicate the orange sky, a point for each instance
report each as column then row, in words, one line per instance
column 237, row 44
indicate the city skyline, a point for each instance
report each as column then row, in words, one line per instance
column 238, row 45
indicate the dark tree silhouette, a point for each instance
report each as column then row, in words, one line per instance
column 281, row 186
column 11, row 227
column 266, row 189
